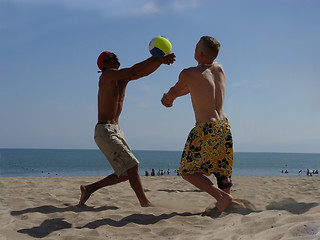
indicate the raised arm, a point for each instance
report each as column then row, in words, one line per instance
column 144, row 68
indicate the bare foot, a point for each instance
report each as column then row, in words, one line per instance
column 224, row 202
column 85, row 194
column 147, row 204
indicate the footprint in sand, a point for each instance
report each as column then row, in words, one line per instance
column 240, row 206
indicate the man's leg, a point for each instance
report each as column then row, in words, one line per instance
column 87, row 190
column 226, row 181
column 136, row 185
column 203, row 183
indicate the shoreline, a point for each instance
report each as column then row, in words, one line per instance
column 50, row 175
column 263, row 208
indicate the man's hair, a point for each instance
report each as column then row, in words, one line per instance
column 213, row 46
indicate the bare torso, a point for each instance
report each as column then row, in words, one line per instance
column 110, row 98
column 113, row 82
column 206, row 84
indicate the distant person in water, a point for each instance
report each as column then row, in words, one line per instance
column 108, row 135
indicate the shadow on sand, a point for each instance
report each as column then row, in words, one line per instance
column 46, row 209
column 245, row 207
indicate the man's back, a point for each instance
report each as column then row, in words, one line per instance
column 206, row 84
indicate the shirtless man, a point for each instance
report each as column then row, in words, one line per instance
column 108, row 135
column 208, row 149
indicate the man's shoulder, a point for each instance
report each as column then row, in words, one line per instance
column 114, row 74
column 217, row 66
column 108, row 76
column 190, row 70
column 110, row 71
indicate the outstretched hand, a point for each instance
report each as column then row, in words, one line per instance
column 166, row 101
column 169, row 58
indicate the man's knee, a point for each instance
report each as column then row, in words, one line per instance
column 224, row 182
column 133, row 170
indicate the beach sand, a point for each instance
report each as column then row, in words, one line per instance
column 263, row 208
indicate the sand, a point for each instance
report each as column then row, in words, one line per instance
column 263, row 208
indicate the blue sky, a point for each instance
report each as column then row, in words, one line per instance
column 48, row 74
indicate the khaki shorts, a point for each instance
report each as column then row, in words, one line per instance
column 111, row 142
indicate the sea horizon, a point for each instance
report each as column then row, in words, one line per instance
column 151, row 150
column 91, row 162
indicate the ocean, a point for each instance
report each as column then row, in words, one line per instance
column 52, row 162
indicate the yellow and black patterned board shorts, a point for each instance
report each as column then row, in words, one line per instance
column 208, row 150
